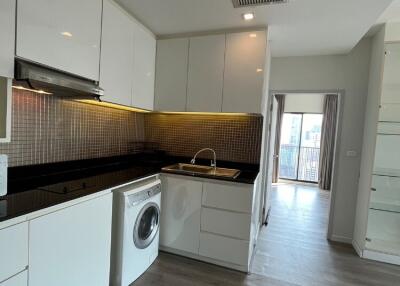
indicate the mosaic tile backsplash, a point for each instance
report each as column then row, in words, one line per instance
column 48, row 129
column 233, row 137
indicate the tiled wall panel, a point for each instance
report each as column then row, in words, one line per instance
column 49, row 129
column 234, row 137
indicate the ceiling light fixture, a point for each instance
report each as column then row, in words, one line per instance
column 252, row 35
column 248, row 16
column 259, row 70
column 67, row 34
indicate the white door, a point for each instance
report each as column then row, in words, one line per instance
column 61, row 34
column 206, row 73
column 7, row 35
column 116, row 68
column 270, row 157
column 171, row 74
column 72, row 246
column 180, row 214
column 244, row 72
column 144, row 68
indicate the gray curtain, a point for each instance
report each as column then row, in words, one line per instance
column 280, row 111
column 328, row 141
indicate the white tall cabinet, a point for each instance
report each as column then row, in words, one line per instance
column 116, row 55
column 7, row 35
column 61, row 34
column 127, row 65
column 206, row 73
column 171, row 74
column 212, row 73
column 377, row 224
column 144, row 68
column 244, row 72
column 72, row 246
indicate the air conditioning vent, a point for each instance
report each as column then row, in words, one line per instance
column 247, row 3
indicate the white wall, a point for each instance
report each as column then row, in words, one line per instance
column 369, row 139
column 328, row 73
column 304, row 102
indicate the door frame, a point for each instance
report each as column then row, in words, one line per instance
column 298, row 160
column 339, row 119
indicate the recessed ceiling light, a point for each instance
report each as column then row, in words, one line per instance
column 66, row 34
column 248, row 16
column 252, row 35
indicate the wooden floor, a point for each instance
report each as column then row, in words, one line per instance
column 292, row 250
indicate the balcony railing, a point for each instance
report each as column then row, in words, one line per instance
column 299, row 163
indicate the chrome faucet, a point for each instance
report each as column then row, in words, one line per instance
column 213, row 162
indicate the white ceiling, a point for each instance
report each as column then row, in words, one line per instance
column 297, row 28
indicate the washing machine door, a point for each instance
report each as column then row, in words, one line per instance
column 146, row 225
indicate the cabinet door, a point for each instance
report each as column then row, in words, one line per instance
column 116, row 66
column 144, row 68
column 14, row 250
column 171, row 74
column 61, row 34
column 206, row 73
column 180, row 214
column 244, row 72
column 72, row 246
column 7, row 35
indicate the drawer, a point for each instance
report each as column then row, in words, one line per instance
column 233, row 197
column 224, row 249
column 18, row 280
column 390, row 112
column 14, row 250
column 236, row 225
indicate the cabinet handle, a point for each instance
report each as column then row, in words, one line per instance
column 373, row 189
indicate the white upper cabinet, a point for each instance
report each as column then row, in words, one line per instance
column 116, row 65
column 171, row 74
column 244, row 72
column 63, row 34
column 144, row 68
column 7, row 35
column 206, row 73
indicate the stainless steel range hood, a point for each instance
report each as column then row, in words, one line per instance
column 41, row 78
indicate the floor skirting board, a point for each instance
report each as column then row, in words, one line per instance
column 343, row 239
column 381, row 257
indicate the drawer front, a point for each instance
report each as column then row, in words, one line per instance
column 14, row 250
column 224, row 249
column 18, row 280
column 236, row 225
column 233, row 197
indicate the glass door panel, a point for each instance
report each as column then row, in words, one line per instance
column 290, row 143
column 300, row 146
column 310, row 147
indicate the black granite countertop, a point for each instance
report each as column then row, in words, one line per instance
column 32, row 188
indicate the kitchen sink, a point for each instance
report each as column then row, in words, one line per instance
column 182, row 168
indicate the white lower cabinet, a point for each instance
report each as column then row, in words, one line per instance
column 18, row 280
column 13, row 250
column 72, row 246
column 208, row 220
column 180, row 214
column 224, row 248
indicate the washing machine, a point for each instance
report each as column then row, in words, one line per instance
column 136, row 218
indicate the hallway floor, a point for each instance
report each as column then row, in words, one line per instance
column 292, row 250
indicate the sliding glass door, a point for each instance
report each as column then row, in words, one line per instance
column 300, row 146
